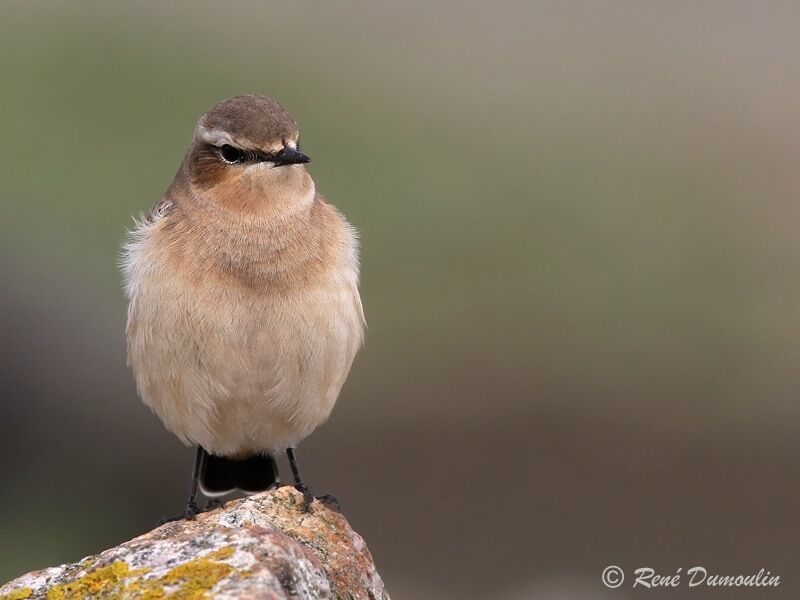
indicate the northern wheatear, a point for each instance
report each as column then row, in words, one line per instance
column 244, row 313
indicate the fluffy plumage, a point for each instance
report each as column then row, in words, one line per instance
column 244, row 313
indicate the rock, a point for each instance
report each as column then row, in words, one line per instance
column 261, row 547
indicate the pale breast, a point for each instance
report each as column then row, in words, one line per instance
column 233, row 367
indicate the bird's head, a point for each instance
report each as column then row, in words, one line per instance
column 245, row 154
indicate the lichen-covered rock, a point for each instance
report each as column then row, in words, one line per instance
column 264, row 546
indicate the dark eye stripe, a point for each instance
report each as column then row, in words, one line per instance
column 236, row 156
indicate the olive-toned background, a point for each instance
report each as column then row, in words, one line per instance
column 581, row 255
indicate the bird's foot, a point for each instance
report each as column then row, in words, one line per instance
column 192, row 510
column 331, row 501
column 212, row 504
column 165, row 520
column 308, row 495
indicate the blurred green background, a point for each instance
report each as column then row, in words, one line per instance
column 580, row 241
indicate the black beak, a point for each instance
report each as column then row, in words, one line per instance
column 290, row 156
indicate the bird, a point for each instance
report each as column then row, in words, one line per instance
column 244, row 314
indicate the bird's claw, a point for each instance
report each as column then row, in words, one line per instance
column 192, row 510
column 308, row 496
column 330, row 500
column 212, row 504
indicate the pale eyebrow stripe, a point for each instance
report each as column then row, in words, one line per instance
column 215, row 137
column 218, row 137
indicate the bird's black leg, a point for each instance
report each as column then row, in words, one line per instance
column 300, row 485
column 192, row 510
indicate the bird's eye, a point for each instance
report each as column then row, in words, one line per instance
column 231, row 155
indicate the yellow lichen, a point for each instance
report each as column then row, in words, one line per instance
column 105, row 581
column 196, row 577
column 117, row 580
column 19, row 594
column 221, row 554
column 145, row 589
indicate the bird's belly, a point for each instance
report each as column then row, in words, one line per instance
column 240, row 373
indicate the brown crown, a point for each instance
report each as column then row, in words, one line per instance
column 259, row 119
